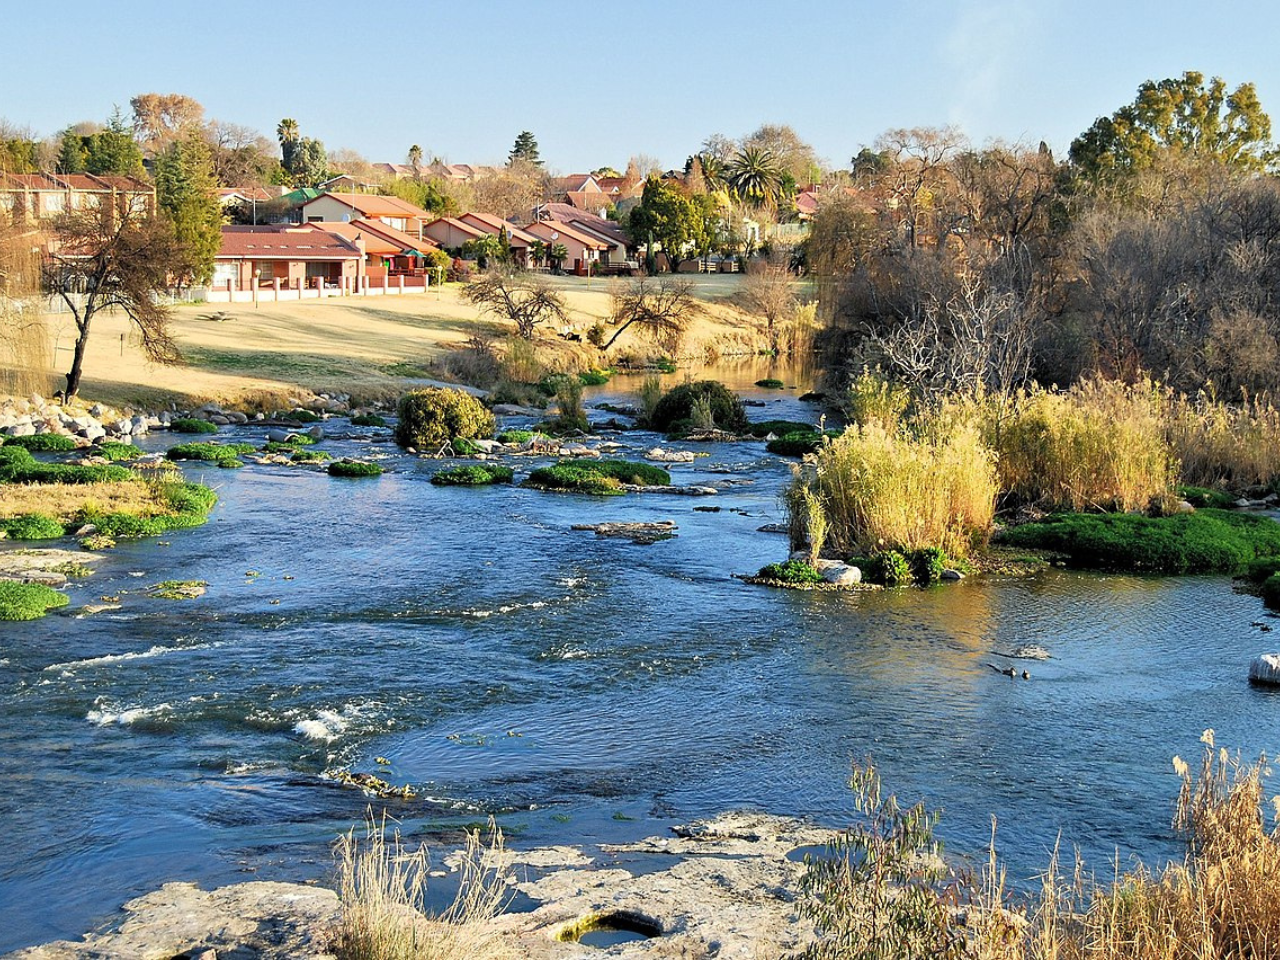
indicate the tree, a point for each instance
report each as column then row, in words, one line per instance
column 415, row 160
column 666, row 216
column 160, row 118
column 661, row 308
column 1182, row 116
column 510, row 191
column 525, row 150
column 72, row 154
column 791, row 155
column 769, row 292
column 289, row 137
column 240, row 156
column 755, row 176
column 110, row 151
column 917, row 169
column 114, row 256
column 526, row 300
column 187, row 192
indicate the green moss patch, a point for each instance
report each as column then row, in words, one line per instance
column 474, row 475
column 188, row 505
column 28, row 601
column 192, row 425
column 302, row 416
column 287, row 446
column 114, row 451
column 43, row 442
column 354, row 468
column 223, row 454
column 779, row 428
column 308, row 456
column 597, row 476
column 32, row 526
column 594, row 378
column 516, row 436
column 368, row 420
column 1208, row 541
column 770, row 383
column 791, row 571
column 799, row 443
column 1200, row 497
column 17, row 465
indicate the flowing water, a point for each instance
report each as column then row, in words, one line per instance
column 581, row 689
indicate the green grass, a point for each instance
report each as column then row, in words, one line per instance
column 28, row 601
column 192, row 425
column 287, row 446
column 791, row 571
column 223, row 454
column 189, row 505
column 17, row 465
column 309, row 456
column 603, row 477
column 302, row 416
column 516, row 436
column 770, row 383
column 115, row 451
column 354, row 468
column 779, row 428
column 1206, row 497
column 43, row 442
column 1208, row 541
column 368, row 420
column 474, row 475
column 799, row 443
column 32, row 526
column 594, row 378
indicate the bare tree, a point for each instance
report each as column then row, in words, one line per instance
column 114, row 256
column 918, row 168
column 660, row 306
column 770, row 292
column 526, row 300
column 510, row 191
column 158, row 118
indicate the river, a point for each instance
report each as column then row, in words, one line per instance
column 581, row 689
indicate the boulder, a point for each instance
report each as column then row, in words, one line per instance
column 1265, row 670
column 952, row 575
column 658, row 455
column 316, row 432
column 278, row 436
column 838, row 573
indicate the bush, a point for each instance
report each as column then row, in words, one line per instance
column 300, row 415
column 651, row 393
column 890, row 568
column 192, row 425
column 43, row 443
column 678, row 405
column 1204, row 497
column 368, row 420
column 32, row 526
column 769, row 383
column 791, row 571
column 461, row 271
column 114, row 451
column 570, row 416
column 473, row 476
column 927, row 565
column 597, row 476
column 594, row 378
column 219, row 453
column 308, row 456
column 798, row 444
column 354, row 468
column 895, row 491
column 188, row 505
column 779, row 428
column 430, row 418
column 516, row 436
column 28, row 601
column 1208, row 541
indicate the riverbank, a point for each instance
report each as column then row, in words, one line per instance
column 255, row 357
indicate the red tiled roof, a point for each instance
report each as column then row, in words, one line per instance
column 588, row 199
column 610, row 234
column 374, row 205
column 284, row 243
column 378, row 237
column 491, row 224
column 73, row 181
column 471, row 228
column 544, row 228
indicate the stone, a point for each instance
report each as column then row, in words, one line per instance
column 636, row 532
column 838, row 573
column 237, row 417
column 278, row 436
column 1242, row 503
column 1265, row 670
column 658, row 455
column 488, row 446
column 219, row 419
column 316, row 432
column 952, row 575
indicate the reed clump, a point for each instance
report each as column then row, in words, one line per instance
column 1223, row 444
column 382, row 888
column 906, row 490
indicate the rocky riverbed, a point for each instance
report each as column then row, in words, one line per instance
column 725, row 887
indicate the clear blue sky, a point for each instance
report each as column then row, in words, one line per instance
column 597, row 83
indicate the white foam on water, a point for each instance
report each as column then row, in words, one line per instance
column 106, row 716
column 159, row 649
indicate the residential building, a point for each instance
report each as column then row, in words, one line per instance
column 32, row 198
column 287, row 257
column 388, row 251
column 451, row 233
column 394, row 212
column 583, row 248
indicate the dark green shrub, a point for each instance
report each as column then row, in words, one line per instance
column 432, row 417
column 795, row 444
column 1271, row 591
column 516, row 436
column 299, row 415
column 594, row 378
column 927, row 565
column 308, row 456
column 368, row 420
column 219, row 453
column 43, row 442
column 792, row 571
column 115, row 451
column 597, row 476
column 664, row 365
column 890, row 568
column 28, row 601
column 1208, row 541
column 192, row 425
column 354, row 468
column 474, row 475
column 462, row 447
column 769, row 383
column 32, row 526
column 1206, row 497
column 677, row 406
column 779, row 428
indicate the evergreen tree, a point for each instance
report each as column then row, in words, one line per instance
column 525, row 148
column 113, row 151
column 186, row 190
column 72, row 155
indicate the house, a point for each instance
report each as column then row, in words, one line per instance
column 620, row 188
column 346, row 182
column 583, row 248
column 606, row 230
column 394, row 171
column 461, row 172
column 450, row 233
column 394, row 212
column 287, row 257
column 30, row 198
column 388, row 252
column 517, row 239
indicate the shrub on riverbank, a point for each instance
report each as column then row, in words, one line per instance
column 28, row 601
column 431, row 417
column 473, row 475
column 32, row 526
column 798, row 443
column 597, row 476
column 382, row 888
column 192, row 425
column 1207, row 541
column 896, row 491
column 706, row 404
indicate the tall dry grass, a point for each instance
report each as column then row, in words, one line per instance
column 26, row 356
column 382, row 887
column 898, row 490
column 1101, row 445
column 1225, row 444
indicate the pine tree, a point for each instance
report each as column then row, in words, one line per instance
column 524, row 149
column 187, row 193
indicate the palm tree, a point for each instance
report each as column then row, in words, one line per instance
column 755, row 177
column 287, row 134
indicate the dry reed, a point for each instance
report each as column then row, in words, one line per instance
column 1221, row 444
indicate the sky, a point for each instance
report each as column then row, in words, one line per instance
column 599, row 83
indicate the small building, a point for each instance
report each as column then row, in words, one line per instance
column 394, row 212
column 583, row 249
column 518, row 240
column 33, row 198
column 286, row 257
column 451, row 233
column 388, row 252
